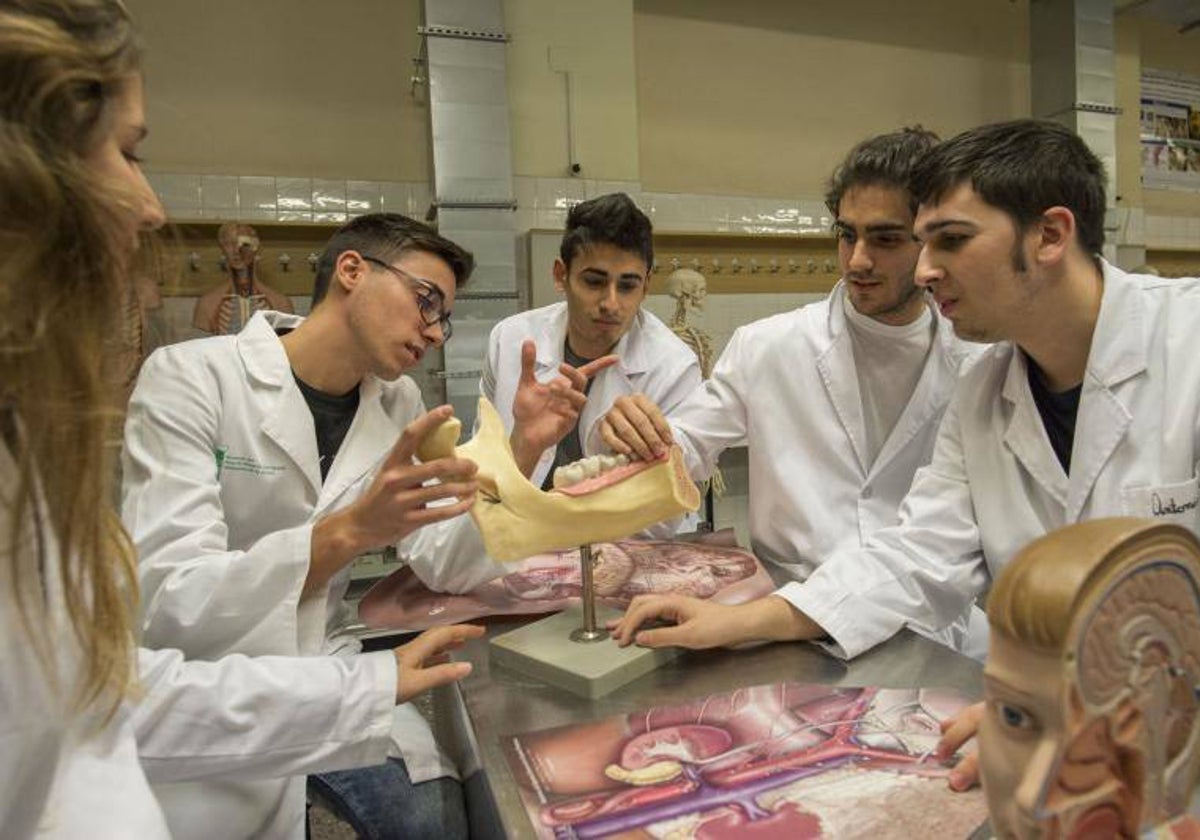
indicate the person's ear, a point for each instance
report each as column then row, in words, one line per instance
column 560, row 275
column 1055, row 231
column 349, row 269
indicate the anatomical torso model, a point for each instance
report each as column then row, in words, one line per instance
column 227, row 308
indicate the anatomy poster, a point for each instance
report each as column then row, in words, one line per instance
column 788, row 760
column 550, row 582
column 1170, row 130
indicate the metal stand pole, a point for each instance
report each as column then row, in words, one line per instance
column 589, row 632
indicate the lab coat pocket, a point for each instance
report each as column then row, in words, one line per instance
column 1177, row 503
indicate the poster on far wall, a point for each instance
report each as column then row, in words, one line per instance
column 1170, row 130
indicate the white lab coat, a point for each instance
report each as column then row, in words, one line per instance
column 69, row 775
column 786, row 386
column 221, row 489
column 995, row 484
column 653, row 361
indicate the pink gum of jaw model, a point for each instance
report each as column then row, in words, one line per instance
column 517, row 520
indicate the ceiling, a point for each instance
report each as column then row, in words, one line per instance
column 1183, row 15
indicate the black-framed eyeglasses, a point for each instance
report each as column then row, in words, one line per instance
column 431, row 302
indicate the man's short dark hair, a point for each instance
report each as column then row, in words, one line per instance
column 886, row 160
column 611, row 219
column 386, row 236
column 1023, row 167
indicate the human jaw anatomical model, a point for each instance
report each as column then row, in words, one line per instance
column 1092, row 726
column 517, row 519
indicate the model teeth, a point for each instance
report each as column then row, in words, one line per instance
column 586, row 468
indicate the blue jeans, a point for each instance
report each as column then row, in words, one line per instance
column 382, row 803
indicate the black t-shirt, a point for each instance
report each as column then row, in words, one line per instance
column 1058, row 411
column 332, row 416
column 569, row 449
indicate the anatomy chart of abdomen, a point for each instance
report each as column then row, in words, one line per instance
column 550, row 582
column 787, row 760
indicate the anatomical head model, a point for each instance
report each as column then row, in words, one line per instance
column 517, row 519
column 239, row 245
column 688, row 287
column 1091, row 727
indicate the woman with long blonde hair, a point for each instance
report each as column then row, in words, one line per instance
column 78, row 700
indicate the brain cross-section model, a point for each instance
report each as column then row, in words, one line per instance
column 1092, row 726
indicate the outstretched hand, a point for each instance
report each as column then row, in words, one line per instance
column 636, row 427
column 421, row 664
column 705, row 624
column 544, row 412
column 956, row 731
column 697, row 623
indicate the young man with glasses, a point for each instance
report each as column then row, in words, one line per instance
column 603, row 271
column 258, row 466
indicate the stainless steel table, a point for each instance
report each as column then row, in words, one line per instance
column 500, row 702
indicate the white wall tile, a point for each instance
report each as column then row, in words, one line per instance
column 553, row 219
column 362, row 197
column 219, row 196
column 393, row 197
column 178, row 192
column 559, row 193
column 419, row 199
column 293, row 198
column 329, row 200
column 526, row 194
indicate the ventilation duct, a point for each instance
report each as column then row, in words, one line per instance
column 465, row 47
column 1073, row 80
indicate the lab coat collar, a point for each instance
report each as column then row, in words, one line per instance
column 1024, row 435
column 288, row 421
column 1117, row 354
column 836, row 367
column 631, row 348
column 1118, row 349
column 261, row 351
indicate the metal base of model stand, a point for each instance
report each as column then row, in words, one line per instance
column 583, row 660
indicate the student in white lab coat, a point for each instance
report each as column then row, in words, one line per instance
column 839, row 401
column 603, row 271
column 87, row 719
column 1087, row 405
column 256, row 468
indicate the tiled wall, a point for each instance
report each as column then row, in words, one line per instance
column 1172, row 232
column 255, row 198
column 541, row 202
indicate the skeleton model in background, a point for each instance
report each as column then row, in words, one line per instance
column 689, row 289
column 1092, row 722
column 226, row 309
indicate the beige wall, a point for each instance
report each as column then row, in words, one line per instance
column 284, row 87
column 693, row 96
column 764, row 97
column 594, row 42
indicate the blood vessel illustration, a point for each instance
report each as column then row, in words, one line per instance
column 784, row 760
